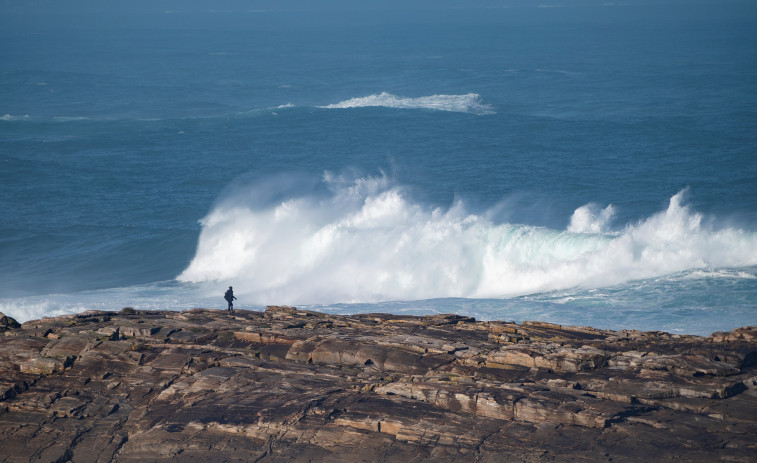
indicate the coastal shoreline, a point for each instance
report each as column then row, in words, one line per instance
column 296, row 385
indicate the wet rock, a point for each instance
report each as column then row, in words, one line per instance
column 296, row 385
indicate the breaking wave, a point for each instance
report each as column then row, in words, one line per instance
column 366, row 241
column 469, row 103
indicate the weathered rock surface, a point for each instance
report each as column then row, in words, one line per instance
column 292, row 385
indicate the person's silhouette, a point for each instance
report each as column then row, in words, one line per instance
column 229, row 296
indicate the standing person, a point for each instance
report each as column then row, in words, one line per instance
column 229, row 296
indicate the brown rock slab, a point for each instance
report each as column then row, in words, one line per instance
column 291, row 385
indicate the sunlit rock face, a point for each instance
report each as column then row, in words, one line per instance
column 293, row 385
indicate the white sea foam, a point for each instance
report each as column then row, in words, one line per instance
column 718, row 273
column 76, row 118
column 27, row 309
column 155, row 296
column 591, row 219
column 10, row 117
column 367, row 241
column 468, row 103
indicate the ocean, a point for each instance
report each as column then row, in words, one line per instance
column 582, row 164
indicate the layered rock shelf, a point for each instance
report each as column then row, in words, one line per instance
column 292, row 385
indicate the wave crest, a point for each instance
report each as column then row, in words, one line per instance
column 468, row 103
column 591, row 219
column 366, row 241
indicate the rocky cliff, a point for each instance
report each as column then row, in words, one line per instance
column 292, row 385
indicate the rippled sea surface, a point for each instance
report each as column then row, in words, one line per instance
column 587, row 165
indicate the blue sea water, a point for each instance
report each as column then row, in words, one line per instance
column 592, row 164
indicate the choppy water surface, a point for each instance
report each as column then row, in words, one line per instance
column 593, row 166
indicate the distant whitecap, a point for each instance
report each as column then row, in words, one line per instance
column 468, row 103
column 10, row 117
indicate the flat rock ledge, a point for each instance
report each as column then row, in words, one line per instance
column 293, row 385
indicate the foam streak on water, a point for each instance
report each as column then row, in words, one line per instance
column 367, row 241
column 468, row 103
